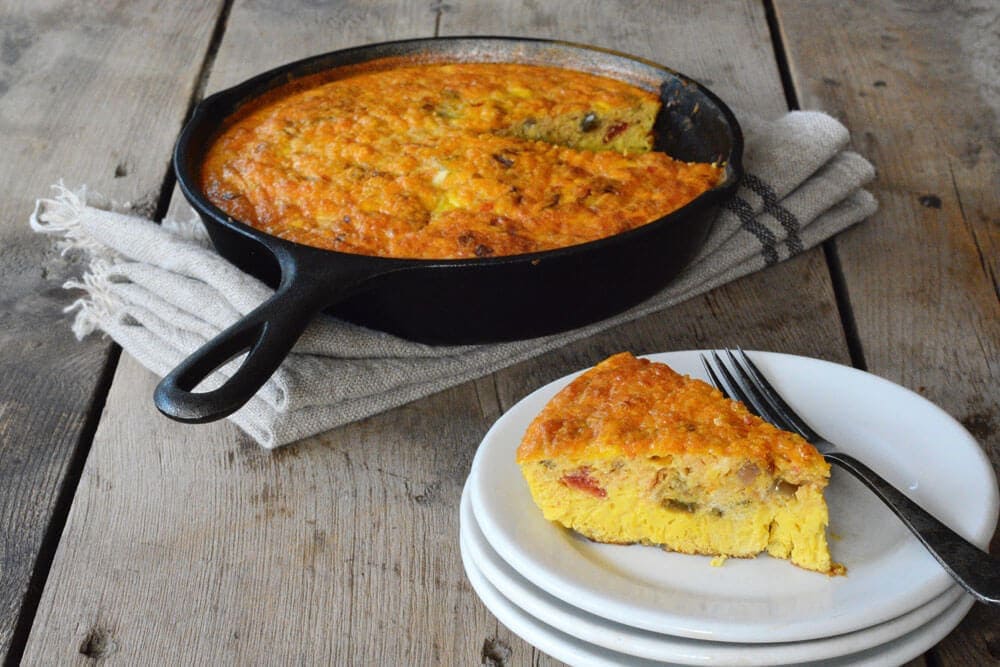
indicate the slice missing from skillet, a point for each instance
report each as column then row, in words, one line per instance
column 632, row 452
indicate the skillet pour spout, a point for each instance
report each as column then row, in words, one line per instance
column 465, row 301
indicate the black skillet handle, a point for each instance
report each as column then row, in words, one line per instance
column 267, row 334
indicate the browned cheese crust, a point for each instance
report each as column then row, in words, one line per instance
column 630, row 407
column 450, row 161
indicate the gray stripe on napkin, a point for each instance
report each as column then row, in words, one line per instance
column 749, row 221
column 779, row 212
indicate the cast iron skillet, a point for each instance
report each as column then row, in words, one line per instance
column 445, row 301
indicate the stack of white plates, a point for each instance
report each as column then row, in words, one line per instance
column 595, row 604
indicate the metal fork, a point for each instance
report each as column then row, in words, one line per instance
column 973, row 569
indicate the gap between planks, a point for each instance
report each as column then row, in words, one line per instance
column 837, row 280
column 74, row 469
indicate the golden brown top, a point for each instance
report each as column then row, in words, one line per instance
column 633, row 407
column 448, row 161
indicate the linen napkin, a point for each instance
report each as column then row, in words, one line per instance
column 160, row 291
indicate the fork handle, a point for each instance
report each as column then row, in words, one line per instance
column 975, row 570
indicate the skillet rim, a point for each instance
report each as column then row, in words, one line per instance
column 285, row 74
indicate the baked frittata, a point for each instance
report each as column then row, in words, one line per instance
column 633, row 452
column 450, row 161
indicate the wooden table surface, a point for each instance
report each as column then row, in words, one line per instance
column 133, row 539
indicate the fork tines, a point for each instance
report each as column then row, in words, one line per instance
column 740, row 379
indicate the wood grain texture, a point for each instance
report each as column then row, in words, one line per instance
column 727, row 47
column 94, row 96
column 191, row 545
column 917, row 84
column 194, row 544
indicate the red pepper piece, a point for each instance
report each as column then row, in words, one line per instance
column 582, row 481
column 614, row 131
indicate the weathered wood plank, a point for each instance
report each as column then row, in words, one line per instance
column 699, row 43
column 726, row 46
column 189, row 542
column 196, row 544
column 193, row 544
column 917, row 84
column 94, row 95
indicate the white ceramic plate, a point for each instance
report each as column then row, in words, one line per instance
column 583, row 654
column 653, row 646
column 913, row 443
